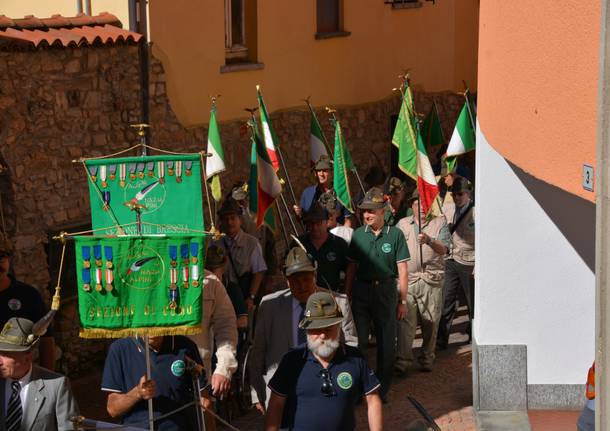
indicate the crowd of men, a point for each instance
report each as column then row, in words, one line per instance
column 350, row 278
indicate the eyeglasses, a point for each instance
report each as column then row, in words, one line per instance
column 327, row 388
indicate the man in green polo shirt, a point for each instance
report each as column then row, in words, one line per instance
column 378, row 257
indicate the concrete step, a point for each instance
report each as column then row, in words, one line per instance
column 503, row 421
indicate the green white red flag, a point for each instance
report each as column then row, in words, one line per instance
column 214, row 164
column 317, row 148
column 270, row 217
column 426, row 180
column 405, row 136
column 341, row 166
column 269, row 136
column 463, row 137
column 268, row 186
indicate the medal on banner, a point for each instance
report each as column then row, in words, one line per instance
column 103, row 175
column 173, row 288
column 184, row 254
column 161, row 172
column 173, row 255
column 106, row 200
column 170, row 167
column 179, row 171
column 112, row 172
column 97, row 253
column 150, row 167
column 109, row 280
column 140, row 167
column 132, row 171
column 86, row 254
column 122, row 174
column 93, row 173
column 188, row 168
column 98, row 279
column 86, row 279
column 195, row 265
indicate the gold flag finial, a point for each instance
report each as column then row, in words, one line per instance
column 141, row 128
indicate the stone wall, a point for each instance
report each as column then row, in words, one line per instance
column 59, row 104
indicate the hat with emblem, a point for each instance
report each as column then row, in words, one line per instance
column 18, row 335
column 323, row 163
column 328, row 200
column 373, row 199
column 395, row 185
column 315, row 213
column 240, row 193
column 297, row 260
column 229, row 206
column 215, row 257
column 461, row 185
column 321, row 311
column 6, row 246
column 414, row 196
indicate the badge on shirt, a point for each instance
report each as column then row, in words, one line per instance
column 344, row 380
column 178, row 367
column 331, row 256
column 386, row 247
column 14, row 304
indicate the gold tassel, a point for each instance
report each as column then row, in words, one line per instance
column 132, row 332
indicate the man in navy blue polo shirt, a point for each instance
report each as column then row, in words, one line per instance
column 322, row 376
column 170, row 387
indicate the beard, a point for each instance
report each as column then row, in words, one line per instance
column 322, row 348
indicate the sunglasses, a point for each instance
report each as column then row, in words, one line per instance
column 327, row 388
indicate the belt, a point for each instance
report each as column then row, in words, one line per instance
column 376, row 282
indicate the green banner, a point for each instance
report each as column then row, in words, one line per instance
column 139, row 285
column 165, row 189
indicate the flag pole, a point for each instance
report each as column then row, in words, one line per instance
column 330, row 153
column 465, row 94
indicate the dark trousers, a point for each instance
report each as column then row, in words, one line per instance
column 457, row 277
column 377, row 301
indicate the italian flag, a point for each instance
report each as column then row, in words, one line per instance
column 342, row 164
column 405, row 136
column 269, row 136
column 317, row 148
column 463, row 137
column 270, row 216
column 426, row 180
column 214, row 164
column 268, row 186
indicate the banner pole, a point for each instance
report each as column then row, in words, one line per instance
column 151, row 416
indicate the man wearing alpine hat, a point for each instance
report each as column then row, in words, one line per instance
column 378, row 261
column 31, row 397
column 324, row 375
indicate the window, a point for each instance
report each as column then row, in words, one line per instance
column 329, row 19
column 405, row 4
column 235, row 31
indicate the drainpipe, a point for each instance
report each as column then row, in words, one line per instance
column 79, row 6
column 133, row 15
column 88, row 7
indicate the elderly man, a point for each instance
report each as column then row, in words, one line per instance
column 170, row 386
column 277, row 321
column 246, row 266
column 378, row 257
column 317, row 386
column 459, row 266
column 18, row 299
column 31, row 397
column 324, row 183
column 328, row 250
column 428, row 244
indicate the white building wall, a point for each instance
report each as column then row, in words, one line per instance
column 532, row 287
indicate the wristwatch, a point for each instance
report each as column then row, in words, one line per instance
column 403, row 301
column 252, row 297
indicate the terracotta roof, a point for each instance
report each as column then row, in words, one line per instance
column 58, row 30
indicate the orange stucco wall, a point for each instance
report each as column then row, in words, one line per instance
column 538, row 78
column 437, row 42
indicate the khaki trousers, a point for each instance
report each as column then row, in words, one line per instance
column 424, row 304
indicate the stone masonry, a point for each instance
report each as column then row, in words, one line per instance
column 59, row 104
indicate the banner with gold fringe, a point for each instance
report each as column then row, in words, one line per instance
column 146, row 285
